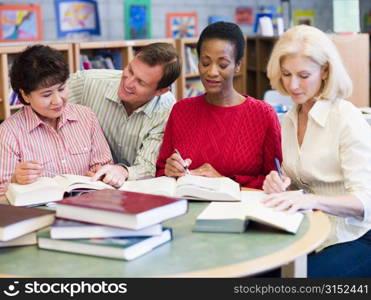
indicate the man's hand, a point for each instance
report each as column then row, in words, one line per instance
column 114, row 175
column 27, row 172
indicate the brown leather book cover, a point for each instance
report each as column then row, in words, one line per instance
column 119, row 201
column 10, row 215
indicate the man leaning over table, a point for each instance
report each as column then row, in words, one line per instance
column 132, row 107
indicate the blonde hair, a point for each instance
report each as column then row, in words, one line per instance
column 314, row 44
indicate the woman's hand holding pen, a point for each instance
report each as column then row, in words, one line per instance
column 175, row 165
column 27, row 172
column 274, row 183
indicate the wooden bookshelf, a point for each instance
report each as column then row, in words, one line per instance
column 7, row 54
column 181, row 44
column 258, row 50
column 127, row 48
column 353, row 48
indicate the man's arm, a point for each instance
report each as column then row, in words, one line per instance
column 145, row 161
column 76, row 83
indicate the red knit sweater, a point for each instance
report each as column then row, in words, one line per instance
column 240, row 141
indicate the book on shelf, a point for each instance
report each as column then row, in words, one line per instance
column 191, row 60
column 101, row 59
column 120, row 208
column 47, row 189
column 85, row 63
column 67, row 229
column 188, row 186
column 194, row 87
column 24, row 240
column 126, row 248
column 235, row 217
column 13, row 98
column 18, row 221
column 115, row 56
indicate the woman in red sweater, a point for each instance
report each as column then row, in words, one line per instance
column 221, row 133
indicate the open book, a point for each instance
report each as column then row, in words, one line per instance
column 188, row 186
column 47, row 189
column 234, row 217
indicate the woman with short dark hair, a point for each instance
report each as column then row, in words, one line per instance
column 47, row 136
column 221, row 133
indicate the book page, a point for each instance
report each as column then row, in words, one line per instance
column 40, row 184
column 252, row 196
column 69, row 182
column 222, row 211
column 207, row 188
column 205, row 183
column 256, row 211
column 157, row 186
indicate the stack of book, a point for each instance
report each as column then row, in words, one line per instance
column 18, row 225
column 112, row 223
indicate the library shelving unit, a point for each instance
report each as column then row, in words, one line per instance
column 126, row 48
column 182, row 44
column 7, row 53
column 258, row 49
column 353, row 48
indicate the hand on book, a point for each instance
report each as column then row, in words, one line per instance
column 27, row 172
column 114, row 175
column 291, row 201
column 206, row 170
column 273, row 183
column 175, row 166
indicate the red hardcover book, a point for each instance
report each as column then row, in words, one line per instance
column 18, row 221
column 121, row 209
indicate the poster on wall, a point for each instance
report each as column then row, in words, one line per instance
column 244, row 15
column 138, row 19
column 76, row 16
column 306, row 17
column 181, row 25
column 20, row 22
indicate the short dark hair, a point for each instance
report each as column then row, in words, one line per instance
column 224, row 31
column 163, row 54
column 36, row 67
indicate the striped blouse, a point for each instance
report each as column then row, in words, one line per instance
column 134, row 140
column 76, row 147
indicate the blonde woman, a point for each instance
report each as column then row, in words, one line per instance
column 326, row 150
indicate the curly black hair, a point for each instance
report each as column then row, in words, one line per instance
column 224, row 31
column 38, row 66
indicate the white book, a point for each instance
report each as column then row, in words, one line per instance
column 120, row 248
column 27, row 239
column 234, row 217
column 47, row 189
column 67, row 229
column 188, row 186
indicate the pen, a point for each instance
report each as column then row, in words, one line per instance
column 185, row 167
column 278, row 168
